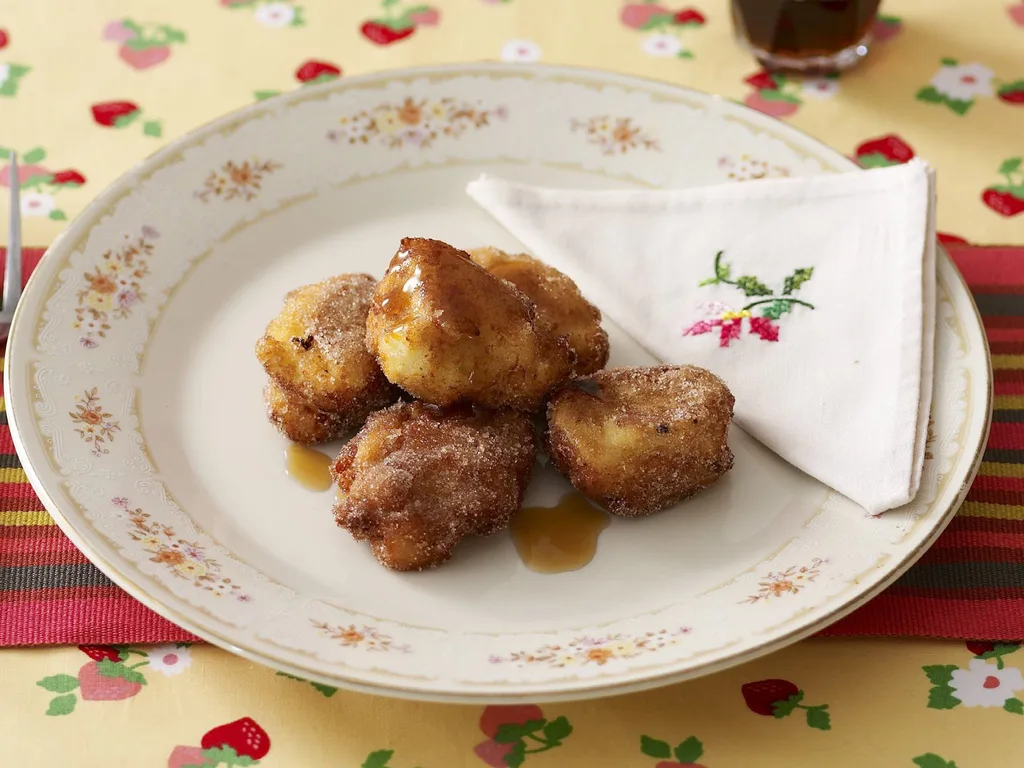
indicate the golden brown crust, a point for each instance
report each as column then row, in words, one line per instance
column 560, row 305
column 417, row 479
column 313, row 350
column 304, row 424
column 446, row 331
column 638, row 440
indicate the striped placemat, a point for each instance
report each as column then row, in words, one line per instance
column 970, row 585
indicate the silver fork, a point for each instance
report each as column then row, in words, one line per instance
column 12, row 264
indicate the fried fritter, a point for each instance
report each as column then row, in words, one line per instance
column 638, row 440
column 446, row 330
column 314, row 349
column 418, row 478
column 559, row 304
column 302, row 423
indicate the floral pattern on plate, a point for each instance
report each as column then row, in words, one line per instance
column 787, row 582
column 96, row 425
column 615, row 135
column 237, row 180
column 597, row 650
column 366, row 637
column 415, row 122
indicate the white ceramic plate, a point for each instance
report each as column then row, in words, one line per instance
column 135, row 398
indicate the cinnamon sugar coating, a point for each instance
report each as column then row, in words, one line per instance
column 638, row 440
column 417, row 479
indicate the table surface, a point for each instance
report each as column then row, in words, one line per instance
column 948, row 80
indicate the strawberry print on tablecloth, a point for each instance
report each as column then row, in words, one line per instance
column 398, row 20
column 39, row 184
column 664, row 28
column 1016, row 13
column 771, row 306
column 780, row 96
column 685, row 754
column 886, row 27
column 142, row 45
column 1007, row 199
column 115, row 672
column 310, row 72
column 986, row 681
column 274, row 15
column 240, row 742
column 121, row 114
column 781, row 698
column 516, row 731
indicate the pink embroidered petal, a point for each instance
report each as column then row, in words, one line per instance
column 730, row 330
column 702, row 326
column 764, row 328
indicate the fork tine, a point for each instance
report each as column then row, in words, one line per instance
column 12, row 264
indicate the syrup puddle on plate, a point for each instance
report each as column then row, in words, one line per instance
column 560, row 538
column 309, row 468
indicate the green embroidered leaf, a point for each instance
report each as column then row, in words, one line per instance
column 688, row 750
column 929, row 94
column 657, row 21
column 34, row 155
column 948, row 62
column 777, row 309
column 517, row 756
column 5, row 153
column 299, row 19
column 59, row 683
column 131, row 26
column 17, row 70
column 797, row 279
column 172, row 35
column 123, row 121
column 261, row 95
column 818, row 717
column 769, row 94
column 660, row 750
column 939, row 674
column 1010, row 165
column 751, row 286
column 557, row 730
column 889, row 20
column 291, row 677
column 378, row 759
column 152, row 128
column 941, row 697
column 37, row 180
column 58, row 215
column 684, row 54
column 1016, row 706
column 931, row 760
column 784, row 708
column 62, row 705
column 109, row 668
column 723, row 271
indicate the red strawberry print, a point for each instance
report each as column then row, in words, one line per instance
column 1007, row 199
column 688, row 16
column 381, row 34
column 108, row 112
column 96, row 686
column 761, row 81
column 71, row 176
column 427, row 17
column 780, row 698
column 144, row 58
column 120, row 114
column 886, row 27
column 492, row 753
column 1016, row 13
column 4, row 38
column 496, row 716
column 25, row 172
column 946, row 239
column 979, row 648
column 1012, row 93
column 773, row 107
column 244, row 736
column 639, row 15
column 96, row 652
column 884, row 151
column 314, row 71
column 188, row 757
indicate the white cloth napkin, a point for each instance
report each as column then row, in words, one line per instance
column 813, row 298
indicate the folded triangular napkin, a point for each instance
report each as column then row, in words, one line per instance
column 813, row 298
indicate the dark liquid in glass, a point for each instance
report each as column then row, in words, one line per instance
column 803, row 29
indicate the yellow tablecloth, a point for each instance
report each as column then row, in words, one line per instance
column 88, row 88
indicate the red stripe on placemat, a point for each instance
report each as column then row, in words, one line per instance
column 969, row 586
